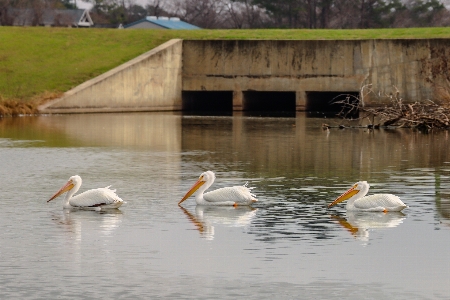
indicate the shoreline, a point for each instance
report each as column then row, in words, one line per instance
column 18, row 107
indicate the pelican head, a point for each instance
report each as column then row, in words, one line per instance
column 74, row 181
column 360, row 186
column 205, row 177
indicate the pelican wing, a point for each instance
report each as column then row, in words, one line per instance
column 379, row 202
column 235, row 194
column 102, row 197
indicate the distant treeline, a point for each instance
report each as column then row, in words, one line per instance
column 229, row 14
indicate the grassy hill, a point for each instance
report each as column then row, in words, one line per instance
column 38, row 63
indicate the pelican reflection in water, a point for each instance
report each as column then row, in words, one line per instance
column 80, row 230
column 206, row 217
column 359, row 224
column 103, row 222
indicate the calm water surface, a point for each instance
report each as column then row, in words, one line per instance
column 288, row 246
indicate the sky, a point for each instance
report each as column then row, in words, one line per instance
column 81, row 4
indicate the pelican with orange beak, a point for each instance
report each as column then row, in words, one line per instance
column 358, row 201
column 96, row 199
column 232, row 196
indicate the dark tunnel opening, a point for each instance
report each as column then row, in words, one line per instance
column 269, row 103
column 323, row 104
column 272, row 103
column 207, row 102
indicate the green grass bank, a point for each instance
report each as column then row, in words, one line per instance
column 38, row 63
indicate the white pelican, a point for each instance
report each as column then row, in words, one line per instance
column 358, row 201
column 97, row 199
column 235, row 195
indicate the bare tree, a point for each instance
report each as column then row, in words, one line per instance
column 235, row 14
column 156, row 7
column 325, row 12
column 6, row 15
column 281, row 13
column 244, row 14
column 203, row 13
column 344, row 12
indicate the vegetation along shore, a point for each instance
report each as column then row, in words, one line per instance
column 38, row 64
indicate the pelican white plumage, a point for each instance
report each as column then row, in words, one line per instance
column 235, row 195
column 97, row 199
column 358, row 201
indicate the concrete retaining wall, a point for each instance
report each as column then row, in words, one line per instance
column 414, row 67
column 156, row 79
column 150, row 82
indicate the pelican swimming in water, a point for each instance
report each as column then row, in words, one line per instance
column 358, row 201
column 97, row 199
column 236, row 195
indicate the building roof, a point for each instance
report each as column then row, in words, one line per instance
column 164, row 22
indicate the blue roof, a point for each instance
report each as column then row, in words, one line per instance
column 169, row 23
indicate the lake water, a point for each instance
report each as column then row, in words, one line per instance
column 287, row 246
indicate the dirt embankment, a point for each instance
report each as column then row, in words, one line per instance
column 17, row 107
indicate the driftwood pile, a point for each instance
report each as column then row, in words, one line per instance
column 423, row 116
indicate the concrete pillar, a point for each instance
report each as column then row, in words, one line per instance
column 238, row 100
column 300, row 100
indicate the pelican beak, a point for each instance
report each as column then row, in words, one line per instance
column 345, row 196
column 68, row 186
column 195, row 187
